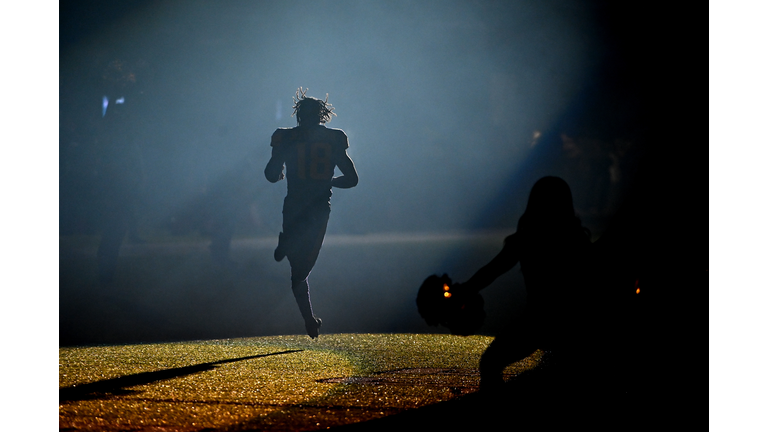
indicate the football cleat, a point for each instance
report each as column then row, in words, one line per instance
column 313, row 325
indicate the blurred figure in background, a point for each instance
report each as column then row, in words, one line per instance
column 120, row 177
column 226, row 205
column 309, row 152
column 222, row 204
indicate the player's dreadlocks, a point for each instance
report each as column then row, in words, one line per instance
column 310, row 109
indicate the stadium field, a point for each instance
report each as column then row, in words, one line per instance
column 266, row 383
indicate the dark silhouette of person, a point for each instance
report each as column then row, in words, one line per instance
column 223, row 209
column 227, row 204
column 218, row 209
column 309, row 152
column 553, row 250
column 120, row 176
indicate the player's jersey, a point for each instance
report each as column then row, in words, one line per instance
column 309, row 154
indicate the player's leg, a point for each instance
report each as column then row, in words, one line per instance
column 302, row 256
column 115, row 227
column 300, row 290
column 518, row 341
column 222, row 229
column 290, row 215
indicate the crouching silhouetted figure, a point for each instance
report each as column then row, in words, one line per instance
column 552, row 248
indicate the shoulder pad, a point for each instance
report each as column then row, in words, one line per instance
column 340, row 138
column 279, row 135
column 337, row 132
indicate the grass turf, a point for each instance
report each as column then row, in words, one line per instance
column 265, row 383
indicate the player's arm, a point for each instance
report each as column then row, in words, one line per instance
column 500, row 264
column 274, row 170
column 349, row 178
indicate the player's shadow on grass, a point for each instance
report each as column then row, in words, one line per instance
column 118, row 386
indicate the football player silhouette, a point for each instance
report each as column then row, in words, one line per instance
column 309, row 152
column 553, row 249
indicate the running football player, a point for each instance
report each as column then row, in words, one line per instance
column 309, row 153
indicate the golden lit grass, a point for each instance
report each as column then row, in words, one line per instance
column 265, row 382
